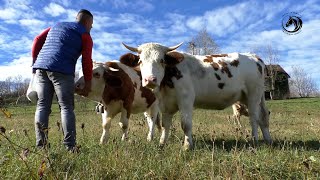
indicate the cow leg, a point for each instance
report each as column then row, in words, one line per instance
column 124, row 123
column 185, row 101
column 264, row 122
column 259, row 116
column 150, row 125
column 106, row 123
column 253, row 108
column 186, row 125
column 236, row 115
column 166, row 124
column 237, row 119
column 152, row 117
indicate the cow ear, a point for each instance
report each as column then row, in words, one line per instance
column 111, row 80
column 130, row 59
column 172, row 58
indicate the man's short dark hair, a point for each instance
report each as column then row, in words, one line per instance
column 84, row 15
column 84, row 11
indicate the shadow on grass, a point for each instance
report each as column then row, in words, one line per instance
column 231, row 144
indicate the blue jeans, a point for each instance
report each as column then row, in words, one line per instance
column 63, row 85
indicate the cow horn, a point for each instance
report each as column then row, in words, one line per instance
column 133, row 49
column 174, row 47
column 113, row 69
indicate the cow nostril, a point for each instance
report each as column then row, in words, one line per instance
column 153, row 79
column 150, row 80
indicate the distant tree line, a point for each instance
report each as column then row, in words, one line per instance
column 302, row 84
column 14, row 88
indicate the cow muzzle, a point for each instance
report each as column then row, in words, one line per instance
column 150, row 82
column 78, row 87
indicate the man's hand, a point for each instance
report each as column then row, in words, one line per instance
column 85, row 91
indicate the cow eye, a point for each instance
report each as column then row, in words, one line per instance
column 162, row 62
column 96, row 75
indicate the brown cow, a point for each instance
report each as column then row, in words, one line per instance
column 118, row 87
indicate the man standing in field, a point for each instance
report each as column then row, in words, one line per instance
column 55, row 52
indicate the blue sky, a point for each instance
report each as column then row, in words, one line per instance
column 236, row 26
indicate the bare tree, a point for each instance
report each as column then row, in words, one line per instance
column 7, row 86
column 20, row 87
column 302, row 84
column 202, row 44
column 15, row 87
column 2, row 88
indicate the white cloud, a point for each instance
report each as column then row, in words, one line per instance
column 54, row 9
column 105, row 37
column 65, row 3
column 102, row 20
column 9, row 14
column 20, row 66
column 34, row 25
column 229, row 20
column 196, row 23
column 140, row 5
column 222, row 20
column 3, row 38
column 143, row 5
column 309, row 10
column 119, row 3
column 71, row 15
column 177, row 24
column 18, row 4
column 16, row 46
column 14, row 10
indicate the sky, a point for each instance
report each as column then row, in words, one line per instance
column 236, row 26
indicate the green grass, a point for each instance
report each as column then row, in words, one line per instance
column 222, row 150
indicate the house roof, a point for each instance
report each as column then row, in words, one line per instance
column 277, row 68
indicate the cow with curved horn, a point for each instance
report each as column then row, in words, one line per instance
column 182, row 81
column 155, row 71
column 118, row 87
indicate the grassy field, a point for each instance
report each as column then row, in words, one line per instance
column 222, row 149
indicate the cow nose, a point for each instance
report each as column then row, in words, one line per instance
column 78, row 86
column 150, row 81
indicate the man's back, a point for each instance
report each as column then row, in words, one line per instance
column 62, row 48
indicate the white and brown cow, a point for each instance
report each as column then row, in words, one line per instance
column 182, row 81
column 118, row 87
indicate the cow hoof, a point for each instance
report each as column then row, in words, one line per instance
column 149, row 138
column 103, row 141
column 124, row 138
column 161, row 146
column 187, row 147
